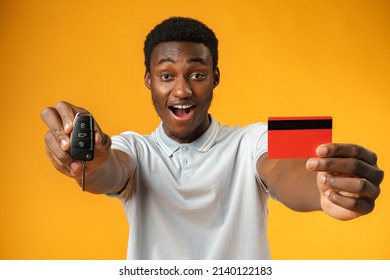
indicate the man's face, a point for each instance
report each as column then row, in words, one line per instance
column 181, row 80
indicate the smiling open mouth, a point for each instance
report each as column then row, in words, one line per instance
column 182, row 111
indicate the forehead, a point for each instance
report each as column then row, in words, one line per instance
column 186, row 51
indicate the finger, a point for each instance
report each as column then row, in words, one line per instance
column 54, row 122
column 102, row 141
column 56, row 151
column 67, row 113
column 347, row 151
column 61, row 159
column 56, row 162
column 60, row 166
column 71, row 170
column 358, row 187
column 346, row 166
column 358, row 205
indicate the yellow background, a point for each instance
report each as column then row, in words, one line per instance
column 277, row 58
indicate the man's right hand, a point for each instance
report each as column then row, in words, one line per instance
column 59, row 120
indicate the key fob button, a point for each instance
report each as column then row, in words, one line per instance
column 83, row 144
column 83, row 124
column 83, row 134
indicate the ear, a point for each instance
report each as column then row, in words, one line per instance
column 216, row 77
column 147, row 80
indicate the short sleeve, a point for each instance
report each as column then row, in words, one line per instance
column 261, row 148
column 125, row 142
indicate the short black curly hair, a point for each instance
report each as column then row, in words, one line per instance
column 181, row 29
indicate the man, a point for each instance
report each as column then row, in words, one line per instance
column 195, row 189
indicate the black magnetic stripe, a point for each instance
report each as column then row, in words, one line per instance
column 299, row 124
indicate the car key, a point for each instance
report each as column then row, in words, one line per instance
column 82, row 141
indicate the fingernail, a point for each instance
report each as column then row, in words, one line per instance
column 66, row 127
column 322, row 179
column 98, row 138
column 312, row 163
column 327, row 193
column 322, row 151
column 74, row 166
column 63, row 144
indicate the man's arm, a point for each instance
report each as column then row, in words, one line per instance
column 343, row 181
column 290, row 183
column 110, row 169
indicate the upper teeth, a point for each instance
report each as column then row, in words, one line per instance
column 182, row 106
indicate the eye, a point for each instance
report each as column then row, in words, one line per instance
column 197, row 76
column 166, row 77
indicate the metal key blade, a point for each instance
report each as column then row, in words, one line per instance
column 83, row 175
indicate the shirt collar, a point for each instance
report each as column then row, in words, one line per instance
column 202, row 144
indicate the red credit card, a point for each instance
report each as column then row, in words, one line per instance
column 297, row 137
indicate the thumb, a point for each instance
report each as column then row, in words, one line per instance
column 102, row 141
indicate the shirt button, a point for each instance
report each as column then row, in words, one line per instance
column 186, row 161
column 185, row 149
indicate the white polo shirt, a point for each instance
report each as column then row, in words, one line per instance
column 202, row 200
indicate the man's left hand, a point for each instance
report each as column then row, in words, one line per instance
column 348, row 179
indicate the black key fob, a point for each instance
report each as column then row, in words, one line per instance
column 82, row 138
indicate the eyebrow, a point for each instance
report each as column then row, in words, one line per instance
column 191, row 60
column 197, row 59
column 164, row 60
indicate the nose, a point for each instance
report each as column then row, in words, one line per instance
column 181, row 88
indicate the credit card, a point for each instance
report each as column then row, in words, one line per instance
column 297, row 137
